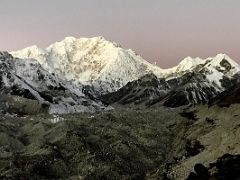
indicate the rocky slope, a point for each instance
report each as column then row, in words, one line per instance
column 25, row 78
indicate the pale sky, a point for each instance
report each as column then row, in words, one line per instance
column 165, row 31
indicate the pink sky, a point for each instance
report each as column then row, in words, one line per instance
column 163, row 31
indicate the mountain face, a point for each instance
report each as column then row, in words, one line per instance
column 26, row 79
column 143, row 90
column 91, row 61
column 194, row 81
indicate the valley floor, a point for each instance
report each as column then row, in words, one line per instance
column 125, row 143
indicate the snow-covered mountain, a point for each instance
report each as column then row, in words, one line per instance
column 108, row 67
column 91, row 61
column 26, row 78
column 105, row 67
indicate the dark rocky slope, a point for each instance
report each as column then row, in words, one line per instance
column 228, row 97
column 213, row 134
column 143, row 90
column 226, row 167
column 191, row 88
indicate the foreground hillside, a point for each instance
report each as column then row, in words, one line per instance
column 216, row 131
column 118, row 145
column 121, row 144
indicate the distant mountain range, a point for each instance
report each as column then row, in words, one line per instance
column 75, row 75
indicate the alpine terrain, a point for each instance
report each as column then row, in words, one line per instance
column 106, row 67
column 89, row 109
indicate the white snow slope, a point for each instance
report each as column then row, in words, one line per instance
column 108, row 67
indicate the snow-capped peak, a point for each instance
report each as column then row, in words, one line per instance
column 32, row 50
column 220, row 59
column 188, row 63
column 91, row 61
